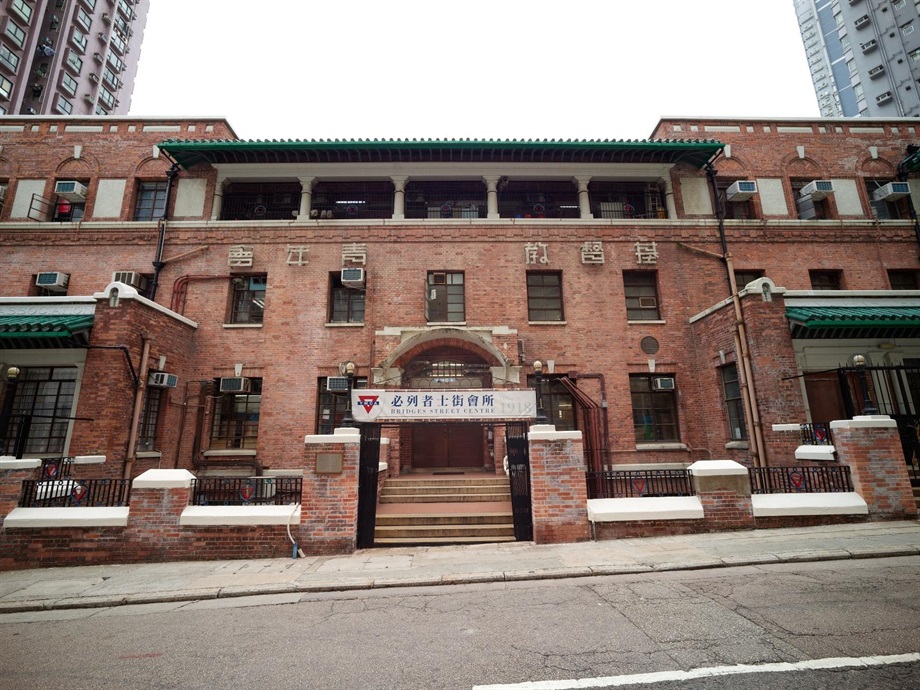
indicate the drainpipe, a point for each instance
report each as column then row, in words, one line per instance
column 138, row 407
column 161, row 226
column 745, row 371
column 913, row 156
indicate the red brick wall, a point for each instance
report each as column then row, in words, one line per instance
column 558, row 492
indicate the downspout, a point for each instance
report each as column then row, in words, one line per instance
column 161, row 226
column 138, row 407
column 913, row 155
column 745, row 371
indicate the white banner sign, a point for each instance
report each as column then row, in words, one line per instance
column 381, row 405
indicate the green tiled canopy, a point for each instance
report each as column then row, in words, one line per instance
column 855, row 322
column 44, row 330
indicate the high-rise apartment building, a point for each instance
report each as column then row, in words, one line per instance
column 864, row 55
column 69, row 57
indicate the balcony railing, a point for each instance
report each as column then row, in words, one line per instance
column 790, row 480
column 260, row 202
column 639, row 483
column 538, row 199
column 445, row 200
column 246, row 491
column 816, row 434
column 626, row 200
column 75, row 493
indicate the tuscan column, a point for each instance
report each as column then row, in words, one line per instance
column 491, row 196
column 218, row 198
column 399, row 197
column 306, row 197
column 669, row 197
column 584, row 201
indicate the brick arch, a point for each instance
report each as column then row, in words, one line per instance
column 152, row 167
column 7, row 169
column 732, row 167
column 85, row 166
column 876, row 167
column 801, row 167
column 445, row 338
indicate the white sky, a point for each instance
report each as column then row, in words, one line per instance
column 608, row 69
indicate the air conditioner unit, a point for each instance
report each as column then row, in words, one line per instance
column 52, row 280
column 883, row 97
column 891, row 191
column 161, row 379
column 236, row 384
column 337, row 383
column 352, row 277
column 70, row 190
column 869, row 45
column 862, row 21
column 106, row 17
column 741, row 190
column 135, row 280
column 94, row 77
column 818, row 189
column 876, row 71
column 88, row 98
column 663, row 383
column 648, row 302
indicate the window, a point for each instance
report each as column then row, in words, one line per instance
column 745, row 276
column 47, row 395
column 544, row 296
column 825, row 280
column 641, row 288
column 654, row 403
column 898, row 4
column 809, row 207
column 346, row 305
column 6, row 87
column 331, row 408
column 558, row 403
column 74, row 61
column 732, row 389
column 904, row 279
column 907, row 29
column 23, row 10
column 68, row 211
column 15, row 33
column 248, row 299
column 737, row 208
column 8, row 59
column 110, row 78
column 84, row 19
column 119, row 43
column 79, row 39
column 151, row 201
column 914, row 55
column 150, row 414
column 106, row 97
column 236, row 418
column 885, row 209
column 69, row 84
column 63, row 105
column 444, row 299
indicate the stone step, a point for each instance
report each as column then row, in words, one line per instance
column 409, row 489
column 438, row 541
column 410, row 519
column 441, row 532
column 449, row 481
column 443, row 498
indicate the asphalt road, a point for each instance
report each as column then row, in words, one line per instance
column 508, row 634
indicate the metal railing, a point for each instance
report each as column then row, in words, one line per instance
column 816, row 434
column 789, row 480
column 75, row 493
column 639, row 483
column 245, row 491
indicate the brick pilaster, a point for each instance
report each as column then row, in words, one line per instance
column 329, row 515
column 558, row 491
column 724, row 490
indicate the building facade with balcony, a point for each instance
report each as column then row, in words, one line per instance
column 69, row 57
column 176, row 297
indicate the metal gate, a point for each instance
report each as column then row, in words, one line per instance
column 368, row 467
column 894, row 391
column 519, row 475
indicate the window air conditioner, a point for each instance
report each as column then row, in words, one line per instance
column 818, row 189
column 741, row 190
column 352, row 277
column 869, row 45
column 53, row 280
column 876, row 71
column 663, row 383
column 862, row 21
column 135, row 280
column 70, row 190
column 94, row 77
column 883, row 97
column 236, row 384
column 648, row 302
column 337, row 383
column 891, row 191
column 161, row 379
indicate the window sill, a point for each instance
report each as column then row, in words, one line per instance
column 546, row 323
column 446, row 323
column 654, row 321
column 242, row 325
column 661, row 446
column 230, row 452
column 345, row 324
column 148, row 454
column 737, row 445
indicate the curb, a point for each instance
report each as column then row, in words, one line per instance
column 447, row 580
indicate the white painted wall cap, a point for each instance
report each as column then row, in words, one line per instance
column 845, row 503
column 875, row 421
column 716, row 468
column 645, row 508
column 553, row 435
column 163, row 479
column 815, row 453
column 66, row 517
column 10, row 462
column 240, row 515
column 88, row 459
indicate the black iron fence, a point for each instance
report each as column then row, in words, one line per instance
column 790, row 480
column 816, row 434
column 245, row 491
column 75, row 493
column 639, row 483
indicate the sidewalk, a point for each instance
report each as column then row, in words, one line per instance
column 116, row 585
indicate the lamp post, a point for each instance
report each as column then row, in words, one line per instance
column 860, row 362
column 6, row 412
column 538, row 373
column 348, row 421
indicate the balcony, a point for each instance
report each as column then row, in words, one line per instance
column 353, row 200
column 267, row 201
column 538, row 199
column 627, row 200
column 445, row 200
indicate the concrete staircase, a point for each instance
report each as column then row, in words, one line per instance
column 456, row 509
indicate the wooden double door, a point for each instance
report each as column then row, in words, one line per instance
column 444, row 446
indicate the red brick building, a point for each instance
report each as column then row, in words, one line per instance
column 173, row 296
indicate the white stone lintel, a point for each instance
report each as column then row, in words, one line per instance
column 240, row 515
column 88, row 459
column 66, row 517
column 645, row 508
column 869, row 421
column 10, row 462
column 716, row 468
column 163, row 479
column 787, row 427
column 815, row 453
column 846, row 503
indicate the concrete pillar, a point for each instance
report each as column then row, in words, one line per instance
column 669, row 197
column 218, row 198
column 724, row 490
column 329, row 505
column 870, row 445
column 491, row 196
column 158, row 498
column 558, row 491
column 306, row 197
column 399, row 197
column 584, row 201
column 13, row 472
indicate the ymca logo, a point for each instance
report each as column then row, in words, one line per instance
column 368, row 402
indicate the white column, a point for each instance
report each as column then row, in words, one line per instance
column 399, row 197
column 306, row 197
column 584, row 201
column 218, row 198
column 491, row 196
column 669, row 197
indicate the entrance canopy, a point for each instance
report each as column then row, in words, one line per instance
column 28, row 331
column 427, row 405
column 895, row 321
